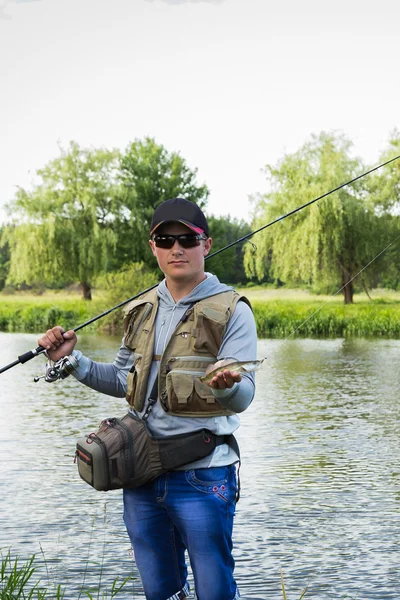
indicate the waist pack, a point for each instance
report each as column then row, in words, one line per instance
column 123, row 453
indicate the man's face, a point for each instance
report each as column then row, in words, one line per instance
column 178, row 263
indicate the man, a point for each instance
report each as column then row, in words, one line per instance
column 189, row 325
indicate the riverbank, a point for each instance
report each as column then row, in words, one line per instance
column 278, row 313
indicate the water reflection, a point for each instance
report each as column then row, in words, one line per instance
column 320, row 475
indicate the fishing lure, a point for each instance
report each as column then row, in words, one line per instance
column 244, row 366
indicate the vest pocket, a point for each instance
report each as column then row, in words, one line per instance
column 210, row 328
column 188, row 396
column 132, row 380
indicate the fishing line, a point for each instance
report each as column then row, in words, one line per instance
column 23, row 358
column 299, row 208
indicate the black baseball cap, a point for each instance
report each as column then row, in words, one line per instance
column 180, row 210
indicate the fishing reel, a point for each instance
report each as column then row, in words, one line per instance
column 59, row 369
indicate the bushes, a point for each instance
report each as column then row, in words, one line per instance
column 120, row 286
column 274, row 318
column 33, row 313
column 28, row 317
column 281, row 319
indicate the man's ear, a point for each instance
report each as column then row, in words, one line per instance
column 153, row 247
column 207, row 246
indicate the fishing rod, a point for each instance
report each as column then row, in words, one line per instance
column 23, row 358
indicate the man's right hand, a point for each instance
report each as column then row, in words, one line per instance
column 58, row 342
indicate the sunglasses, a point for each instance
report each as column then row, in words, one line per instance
column 186, row 240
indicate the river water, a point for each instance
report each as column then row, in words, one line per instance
column 320, row 474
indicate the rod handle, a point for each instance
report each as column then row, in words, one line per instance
column 31, row 354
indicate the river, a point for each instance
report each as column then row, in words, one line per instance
column 320, row 474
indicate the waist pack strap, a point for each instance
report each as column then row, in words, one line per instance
column 152, row 399
column 230, row 440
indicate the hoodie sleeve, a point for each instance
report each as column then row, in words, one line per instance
column 108, row 378
column 239, row 343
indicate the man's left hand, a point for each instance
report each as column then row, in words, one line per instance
column 224, row 378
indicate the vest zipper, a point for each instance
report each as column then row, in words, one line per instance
column 206, row 359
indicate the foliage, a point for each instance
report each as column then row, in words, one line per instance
column 4, row 258
column 149, row 175
column 64, row 225
column 384, row 198
column 16, row 582
column 27, row 315
column 281, row 319
column 328, row 243
column 228, row 266
column 384, row 185
column 121, row 285
column 90, row 215
column 275, row 318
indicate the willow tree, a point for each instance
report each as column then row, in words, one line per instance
column 63, row 226
column 384, row 196
column 384, row 185
column 328, row 243
column 4, row 257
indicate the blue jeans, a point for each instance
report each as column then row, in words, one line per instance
column 181, row 510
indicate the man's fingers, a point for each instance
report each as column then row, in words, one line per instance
column 225, row 379
column 53, row 338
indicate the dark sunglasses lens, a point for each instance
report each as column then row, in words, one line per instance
column 167, row 241
column 188, row 241
column 164, row 241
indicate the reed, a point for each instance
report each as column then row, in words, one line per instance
column 284, row 589
column 17, row 583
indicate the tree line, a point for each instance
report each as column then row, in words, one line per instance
column 88, row 219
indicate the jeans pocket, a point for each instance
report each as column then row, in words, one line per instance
column 215, row 481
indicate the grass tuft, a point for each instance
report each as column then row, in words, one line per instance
column 16, row 583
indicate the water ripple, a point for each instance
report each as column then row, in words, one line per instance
column 320, row 474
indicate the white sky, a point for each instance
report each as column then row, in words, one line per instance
column 230, row 84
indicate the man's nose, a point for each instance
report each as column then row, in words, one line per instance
column 176, row 247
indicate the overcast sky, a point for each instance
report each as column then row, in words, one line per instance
column 230, row 84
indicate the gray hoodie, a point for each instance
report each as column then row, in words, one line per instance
column 239, row 343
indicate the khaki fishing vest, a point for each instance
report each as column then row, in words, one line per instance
column 192, row 347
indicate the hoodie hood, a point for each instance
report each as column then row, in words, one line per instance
column 208, row 287
column 170, row 312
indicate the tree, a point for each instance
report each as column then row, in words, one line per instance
column 384, row 197
column 4, row 258
column 63, row 227
column 228, row 266
column 326, row 244
column 149, row 175
column 384, row 185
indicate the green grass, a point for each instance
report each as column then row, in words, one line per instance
column 282, row 319
column 17, row 583
column 278, row 313
column 30, row 313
